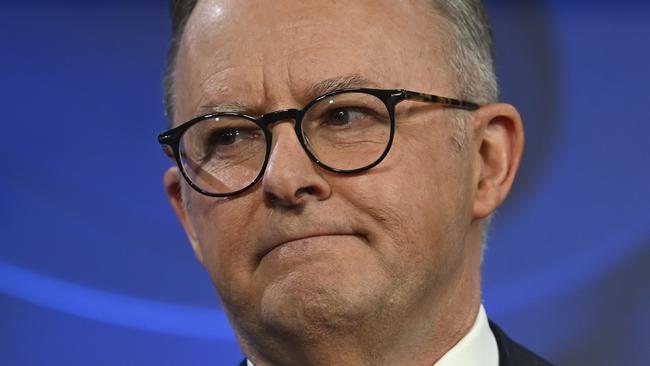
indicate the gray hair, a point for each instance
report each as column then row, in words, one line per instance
column 471, row 59
column 472, row 49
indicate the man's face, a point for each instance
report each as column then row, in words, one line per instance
column 309, row 250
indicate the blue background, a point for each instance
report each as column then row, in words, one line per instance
column 95, row 269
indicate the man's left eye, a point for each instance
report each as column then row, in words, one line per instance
column 345, row 116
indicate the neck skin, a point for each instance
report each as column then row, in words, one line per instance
column 417, row 336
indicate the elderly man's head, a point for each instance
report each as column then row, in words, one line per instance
column 307, row 259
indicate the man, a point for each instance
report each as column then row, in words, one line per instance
column 338, row 162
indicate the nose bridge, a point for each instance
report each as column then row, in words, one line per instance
column 270, row 118
column 290, row 175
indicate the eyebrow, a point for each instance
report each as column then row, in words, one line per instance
column 342, row 82
column 320, row 88
column 232, row 107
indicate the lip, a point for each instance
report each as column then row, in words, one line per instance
column 292, row 239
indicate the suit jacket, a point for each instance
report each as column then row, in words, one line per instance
column 511, row 353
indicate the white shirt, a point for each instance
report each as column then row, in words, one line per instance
column 477, row 348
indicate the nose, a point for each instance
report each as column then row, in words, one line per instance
column 291, row 178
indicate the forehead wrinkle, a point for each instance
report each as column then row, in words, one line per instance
column 216, row 75
column 217, row 95
column 319, row 88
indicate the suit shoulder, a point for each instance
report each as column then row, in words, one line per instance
column 512, row 353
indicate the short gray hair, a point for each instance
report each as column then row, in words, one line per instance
column 472, row 49
column 180, row 11
column 471, row 59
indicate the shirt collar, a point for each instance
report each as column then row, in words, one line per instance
column 477, row 348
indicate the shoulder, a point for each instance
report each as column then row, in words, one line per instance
column 512, row 353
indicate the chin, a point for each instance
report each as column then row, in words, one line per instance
column 311, row 304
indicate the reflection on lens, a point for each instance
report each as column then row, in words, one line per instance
column 347, row 131
column 223, row 154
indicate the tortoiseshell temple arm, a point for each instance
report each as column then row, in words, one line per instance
column 450, row 102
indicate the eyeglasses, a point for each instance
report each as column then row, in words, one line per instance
column 346, row 131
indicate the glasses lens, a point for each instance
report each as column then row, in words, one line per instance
column 223, row 154
column 347, row 131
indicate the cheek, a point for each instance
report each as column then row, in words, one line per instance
column 223, row 232
column 413, row 200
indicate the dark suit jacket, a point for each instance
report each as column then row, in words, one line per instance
column 511, row 353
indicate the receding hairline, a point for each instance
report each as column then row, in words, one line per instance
column 442, row 17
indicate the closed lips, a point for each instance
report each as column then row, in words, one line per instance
column 290, row 239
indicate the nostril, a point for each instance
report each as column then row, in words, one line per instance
column 272, row 198
column 305, row 191
column 291, row 200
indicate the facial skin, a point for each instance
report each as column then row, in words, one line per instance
column 382, row 267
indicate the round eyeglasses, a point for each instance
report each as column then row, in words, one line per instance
column 345, row 131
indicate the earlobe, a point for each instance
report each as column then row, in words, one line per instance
column 500, row 142
column 172, row 182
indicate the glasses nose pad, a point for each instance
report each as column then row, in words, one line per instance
column 270, row 120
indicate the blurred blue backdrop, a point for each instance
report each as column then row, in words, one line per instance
column 95, row 269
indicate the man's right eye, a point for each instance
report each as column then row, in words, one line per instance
column 231, row 141
column 221, row 143
column 227, row 137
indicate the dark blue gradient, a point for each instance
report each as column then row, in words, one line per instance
column 95, row 269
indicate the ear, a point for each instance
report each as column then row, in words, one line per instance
column 172, row 181
column 499, row 137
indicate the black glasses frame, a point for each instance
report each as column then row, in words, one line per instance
column 170, row 140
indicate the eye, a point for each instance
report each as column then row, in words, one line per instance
column 233, row 135
column 345, row 116
column 229, row 142
column 225, row 137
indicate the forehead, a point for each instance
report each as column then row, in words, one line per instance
column 266, row 50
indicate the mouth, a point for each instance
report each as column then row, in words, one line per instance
column 304, row 240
